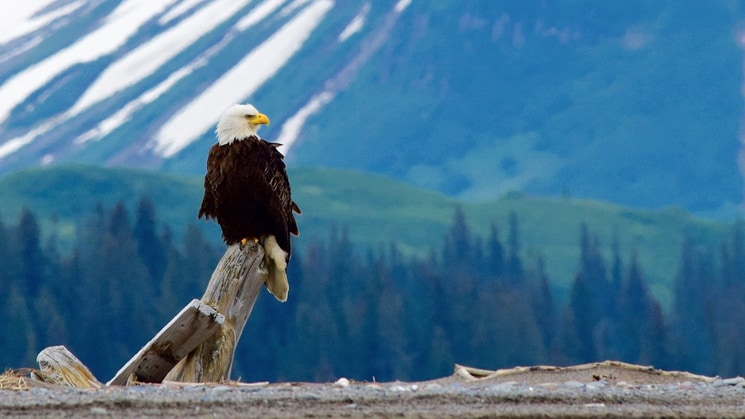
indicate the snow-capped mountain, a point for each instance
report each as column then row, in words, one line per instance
column 117, row 63
column 634, row 102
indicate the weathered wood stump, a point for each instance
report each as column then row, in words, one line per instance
column 193, row 325
column 59, row 366
column 197, row 346
column 232, row 291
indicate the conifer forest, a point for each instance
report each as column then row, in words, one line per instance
column 371, row 313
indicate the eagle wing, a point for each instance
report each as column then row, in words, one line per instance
column 212, row 179
column 280, row 198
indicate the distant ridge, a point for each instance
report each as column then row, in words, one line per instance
column 638, row 104
column 376, row 211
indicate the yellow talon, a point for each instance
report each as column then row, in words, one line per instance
column 245, row 240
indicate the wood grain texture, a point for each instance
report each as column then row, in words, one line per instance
column 232, row 291
column 57, row 365
column 194, row 324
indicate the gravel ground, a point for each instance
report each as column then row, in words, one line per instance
column 610, row 393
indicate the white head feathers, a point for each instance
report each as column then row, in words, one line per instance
column 239, row 122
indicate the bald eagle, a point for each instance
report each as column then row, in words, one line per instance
column 246, row 190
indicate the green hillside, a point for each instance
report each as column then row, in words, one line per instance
column 376, row 211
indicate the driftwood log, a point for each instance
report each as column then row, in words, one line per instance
column 193, row 325
column 58, row 366
column 197, row 346
column 232, row 291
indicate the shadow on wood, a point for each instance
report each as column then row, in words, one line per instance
column 193, row 325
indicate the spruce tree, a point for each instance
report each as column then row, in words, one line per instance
column 32, row 263
column 642, row 326
column 514, row 268
column 149, row 246
column 691, row 337
column 495, row 254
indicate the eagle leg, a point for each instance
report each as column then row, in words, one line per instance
column 245, row 240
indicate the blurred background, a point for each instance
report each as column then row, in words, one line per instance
column 491, row 183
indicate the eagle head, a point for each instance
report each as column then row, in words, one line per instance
column 239, row 122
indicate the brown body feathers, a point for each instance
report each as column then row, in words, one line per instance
column 247, row 191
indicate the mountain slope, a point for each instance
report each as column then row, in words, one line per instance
column 636, row 103
column 376, row 211
column 549, row 101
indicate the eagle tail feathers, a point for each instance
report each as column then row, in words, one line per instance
column 275, row 260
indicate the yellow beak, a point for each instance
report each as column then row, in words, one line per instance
column 258, row 119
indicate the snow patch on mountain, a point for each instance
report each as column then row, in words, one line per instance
column 258, row 14
column 178, row 11
column 402, row 5
column 291, row 128
column 183, row 23
column 233, row 87
column 123, row 115
column 113, row 122
column 23, row 17
column 356, row 24
column 113, row 33
column 15, row 144
column 148, row 57
column 295, row 5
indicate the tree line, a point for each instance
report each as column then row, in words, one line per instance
column 371, row 313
